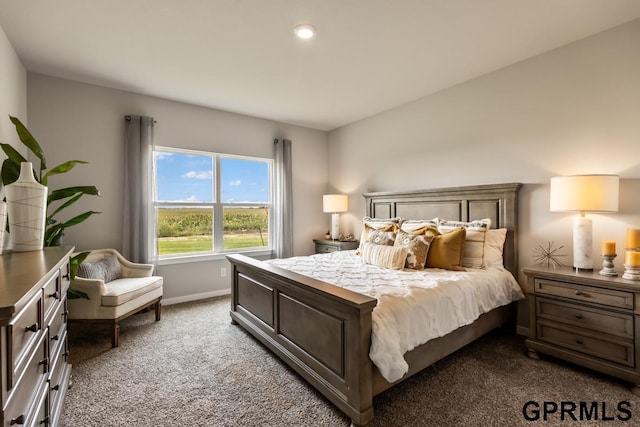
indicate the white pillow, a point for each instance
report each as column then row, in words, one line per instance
column 473, row 251
column 384, row 256
column 494, row 246
column 411, row 225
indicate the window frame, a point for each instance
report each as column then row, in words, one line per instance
column 217, row 207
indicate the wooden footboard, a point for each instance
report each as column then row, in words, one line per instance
column 321, row 331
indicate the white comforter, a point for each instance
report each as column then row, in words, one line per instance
column 413, row 306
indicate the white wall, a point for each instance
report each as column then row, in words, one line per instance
column 575, row 110
column 13, row 93
column 78, row 121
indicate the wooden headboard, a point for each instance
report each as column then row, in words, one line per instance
column 496, row 201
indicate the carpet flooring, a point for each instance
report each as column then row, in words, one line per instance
column 193, row 368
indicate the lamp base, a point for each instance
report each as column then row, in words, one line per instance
column 335, row 226
column 582, row 244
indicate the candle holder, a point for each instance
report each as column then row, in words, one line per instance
column 631, row 272
column 608, row 269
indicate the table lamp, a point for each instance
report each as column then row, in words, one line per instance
column 584, row 193
column 335, row 203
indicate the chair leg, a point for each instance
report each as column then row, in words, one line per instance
column 115, row 337
column 158, row 308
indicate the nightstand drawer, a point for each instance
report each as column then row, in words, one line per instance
column 585, row 293
column 608, row 322
column 603, row 347
column 323, row 249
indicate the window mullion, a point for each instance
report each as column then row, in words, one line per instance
column 218, row 211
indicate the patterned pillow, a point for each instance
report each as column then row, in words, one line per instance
column 476, row 232
column 419, row 226
column 383, row 224
column 418, row 247
column 380, row 237
column 446, row 250
column 392, row 257
column 106, row 269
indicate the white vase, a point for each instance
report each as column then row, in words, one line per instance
column 27, row 209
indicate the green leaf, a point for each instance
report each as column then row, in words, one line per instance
column 78, row 219
column 63, row 193
column 63, row 206
column 75, row 261
column 74, row 294
column 10, row 172
column 53, row 235
column 13, row 154
column 61, row 168
column 29, row 141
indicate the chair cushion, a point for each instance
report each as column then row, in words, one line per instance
column 120, row 291
column 106, row 269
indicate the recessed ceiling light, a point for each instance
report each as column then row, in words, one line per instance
column 304, row 31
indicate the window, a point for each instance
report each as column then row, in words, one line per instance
column 209, row 203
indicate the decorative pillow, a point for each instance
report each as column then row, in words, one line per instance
column 380, row 237
column 106, row 269
column 446, row 250
column 418, row 226
column 392, row 257
column 418, row 247
column 494, row 246
column 473, row 256
column 381, row 224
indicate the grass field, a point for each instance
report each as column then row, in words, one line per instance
column 188, row 230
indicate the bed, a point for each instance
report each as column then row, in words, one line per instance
column 324, row 331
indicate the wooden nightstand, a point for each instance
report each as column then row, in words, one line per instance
column 325, row 246
column 587, row 319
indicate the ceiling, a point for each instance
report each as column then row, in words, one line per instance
column 241, row 55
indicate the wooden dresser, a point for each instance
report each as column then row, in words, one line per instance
column 585, row 318
column 34, row 370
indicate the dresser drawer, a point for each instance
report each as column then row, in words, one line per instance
column 608, row 348
column 57, row 327
column 23, row 332
column 609, row 297
column 323, row 249
column 608, row 322
column 25, row 399
column 51, row 296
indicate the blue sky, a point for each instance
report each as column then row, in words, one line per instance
column 187, row 177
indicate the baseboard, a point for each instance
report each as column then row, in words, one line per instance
column 195, row 297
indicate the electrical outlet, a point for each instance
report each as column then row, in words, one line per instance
column 223, row 272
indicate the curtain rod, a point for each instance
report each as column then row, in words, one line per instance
column 128, row 118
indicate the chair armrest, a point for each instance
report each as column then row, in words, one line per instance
column 93, row 288
column 132, row 269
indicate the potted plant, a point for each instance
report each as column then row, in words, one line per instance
column 62, row 198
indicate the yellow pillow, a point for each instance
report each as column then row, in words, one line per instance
column 384, row 256
column 418, row 247
column 446, row 250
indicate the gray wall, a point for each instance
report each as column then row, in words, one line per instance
column 80, row 121
column 575, row 110
column 13, row 93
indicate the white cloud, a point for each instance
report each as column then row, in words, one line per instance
column 235, row 183
column 161, row 155
column 198, row 175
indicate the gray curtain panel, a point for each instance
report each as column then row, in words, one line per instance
column 283, row 200
column 138, row 224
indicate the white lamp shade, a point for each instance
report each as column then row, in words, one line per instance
column 584, row 193
column 332, row 203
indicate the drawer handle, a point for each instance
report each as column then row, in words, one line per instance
column 17, row 420
column 32, row 328
column 579, row 316
column 45, row 420
column 579, row 293
column 55, row 338
column 44, row 362
column 56, row 387
column 579, row 341
column 53, row 295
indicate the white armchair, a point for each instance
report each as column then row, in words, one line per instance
column 117, row 288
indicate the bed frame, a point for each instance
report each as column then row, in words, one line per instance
column 323, row 331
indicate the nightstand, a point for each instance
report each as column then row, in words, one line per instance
column 585, row 318
column 326, row 246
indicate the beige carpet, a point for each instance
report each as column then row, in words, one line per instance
column 193, row 368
